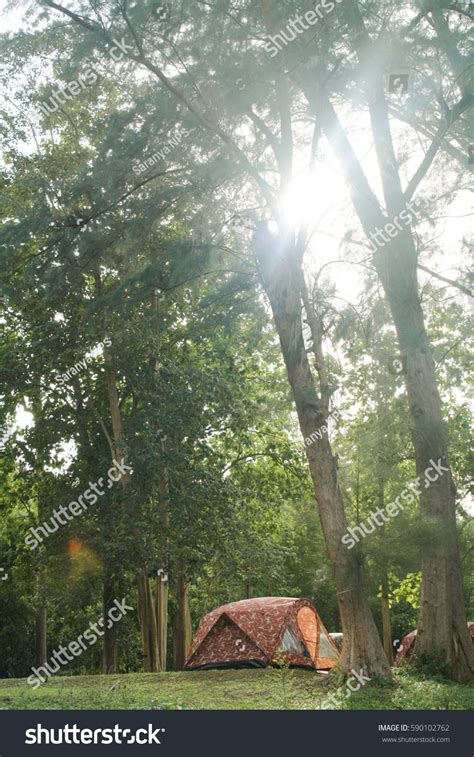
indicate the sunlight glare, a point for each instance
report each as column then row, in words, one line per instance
column 311, row 194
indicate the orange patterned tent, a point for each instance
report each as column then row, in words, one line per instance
column 258, row 632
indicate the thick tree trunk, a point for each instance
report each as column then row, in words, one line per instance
column 281, row 277
column 162, row 617
column 118, row 451
column 442, row 630
column 41, row 625
column 386, row 624
column 143, row 624
column 152, row 629
column 41, row 647
column 109, row 656
column 162, row 583
column 148, row 626
column 183, row 632
column 387, row 629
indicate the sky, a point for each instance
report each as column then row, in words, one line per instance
column 11, row 18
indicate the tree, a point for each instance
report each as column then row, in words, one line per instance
column 443, row 631
column 362, row 646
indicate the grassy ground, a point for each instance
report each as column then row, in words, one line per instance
column 233, row 690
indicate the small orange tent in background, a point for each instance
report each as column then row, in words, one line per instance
column 258, row 632
column 406, row 648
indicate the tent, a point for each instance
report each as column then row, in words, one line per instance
column 258, row 632
column 405, row 650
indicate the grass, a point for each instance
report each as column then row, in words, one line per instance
column 263, row 689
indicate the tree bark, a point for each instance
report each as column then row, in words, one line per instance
column 183, row 631
column 152, row 629
column 41, row 647
column 38, row 462
column 280, row 273
column 442, row 629
column 41, row 624
column 386, row 624
column 162, row 618
column 142, row 616
column 109, row 656
column 148, row 625
column 162, row 584
column 118, row 451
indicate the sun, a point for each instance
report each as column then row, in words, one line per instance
column 311, row 195
column 318, row 199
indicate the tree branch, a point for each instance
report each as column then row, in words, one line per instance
column 432, row 151
column 462, row 288
column 140, row 58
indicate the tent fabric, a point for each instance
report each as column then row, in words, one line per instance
column 257, row 629
column 223, row 636
column 406, row 647
column 308, row 626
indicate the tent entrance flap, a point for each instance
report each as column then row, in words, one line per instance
column 292, row 642
column 308, row 625
column 327, row 650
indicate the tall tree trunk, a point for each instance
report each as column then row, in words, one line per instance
column 109, row 656
column 118, row 451
column 162, row 617
column 41, row 623
column 143, row 624
column 38, row 462
column 148, row 626
column 41, row 648
column 386, row 624
column 162, row 584
column 183, row 632
column 281, row 277
column 442, row 629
